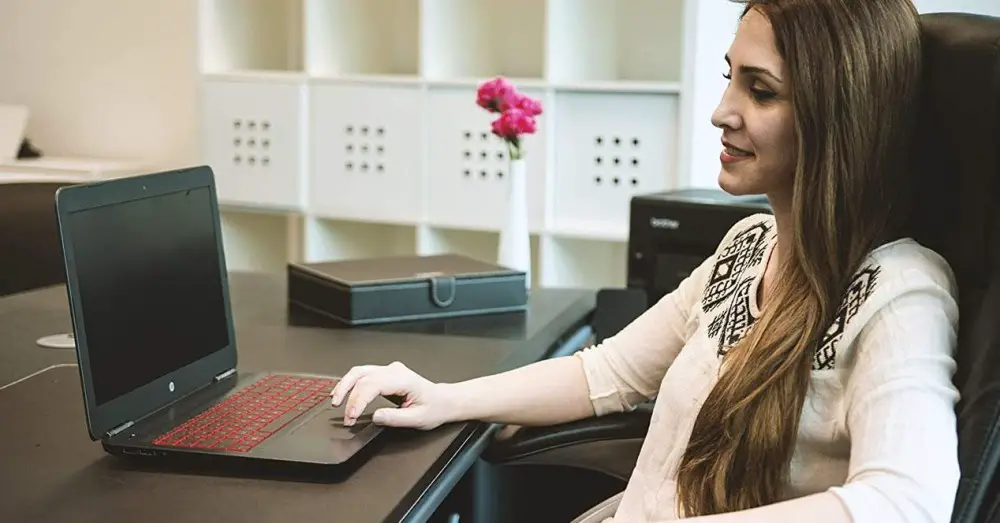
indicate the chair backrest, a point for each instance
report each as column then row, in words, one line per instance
column 955, row 188
column 29, row 240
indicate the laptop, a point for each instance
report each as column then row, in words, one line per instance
column 149, row 302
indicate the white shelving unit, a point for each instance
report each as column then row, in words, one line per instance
column 348, row 128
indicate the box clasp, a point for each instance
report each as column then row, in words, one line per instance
column 443, row 290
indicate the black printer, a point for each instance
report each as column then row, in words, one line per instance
column 672, row 232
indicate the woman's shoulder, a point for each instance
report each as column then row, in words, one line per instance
column 899, row 269
column 896, row 273
column 905, row 264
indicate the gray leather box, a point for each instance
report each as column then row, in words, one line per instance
column 392, row 289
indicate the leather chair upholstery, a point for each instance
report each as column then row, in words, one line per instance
column 30, row 255
column 957, row 213
column 954, row 211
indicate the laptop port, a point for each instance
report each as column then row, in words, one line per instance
column 138, row 452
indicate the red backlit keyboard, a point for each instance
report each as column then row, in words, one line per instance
column 251, row 415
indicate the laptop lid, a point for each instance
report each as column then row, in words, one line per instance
column 147, row 289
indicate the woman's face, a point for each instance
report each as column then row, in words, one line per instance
column 755, row 115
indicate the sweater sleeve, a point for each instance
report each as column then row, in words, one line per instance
column 627, row 368
column 900, row 406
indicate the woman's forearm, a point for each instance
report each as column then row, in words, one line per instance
column 547, row 392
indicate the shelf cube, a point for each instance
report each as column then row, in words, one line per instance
column 252, row 140
column 464, row 39
column 362, row 37
column 366, row 152
column 251, row 35
column 614, row 40
column 608, row 147
column 469, row 166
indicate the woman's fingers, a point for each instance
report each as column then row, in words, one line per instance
column 410, row 417
column 346, row 383
column 365, row 391
column 392, row 380
column 362, row 384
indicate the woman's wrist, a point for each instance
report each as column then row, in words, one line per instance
column 453, row 402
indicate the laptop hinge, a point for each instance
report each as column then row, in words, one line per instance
column 225, row 375
column 117, row 430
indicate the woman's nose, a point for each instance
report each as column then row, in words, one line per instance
column 725, row 114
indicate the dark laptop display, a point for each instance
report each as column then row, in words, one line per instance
column 149, row 302
column 148, row 287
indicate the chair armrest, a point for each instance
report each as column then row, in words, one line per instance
column 608, row 444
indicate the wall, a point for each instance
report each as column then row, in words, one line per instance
column 106, row 78
column 716, row 24
column 118, row 77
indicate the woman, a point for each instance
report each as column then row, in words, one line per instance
column 803, row 372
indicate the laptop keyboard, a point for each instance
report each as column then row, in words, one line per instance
column 251, row 415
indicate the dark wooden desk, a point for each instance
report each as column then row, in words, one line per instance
column 53, row 472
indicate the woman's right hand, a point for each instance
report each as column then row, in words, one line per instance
column 425, row 405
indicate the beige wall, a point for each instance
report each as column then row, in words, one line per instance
column 119, row 77
column 104, row 77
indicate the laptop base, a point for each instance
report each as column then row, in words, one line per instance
column 168, row 461
column 315, row 444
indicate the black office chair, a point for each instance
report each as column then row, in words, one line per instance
column 955, row 212
column 30, row 255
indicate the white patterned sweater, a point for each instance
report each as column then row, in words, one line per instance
column 878, row 425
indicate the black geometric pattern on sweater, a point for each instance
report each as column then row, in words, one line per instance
column 862, row 286
column 744, row 251
column 731, row 324
column 728, row 285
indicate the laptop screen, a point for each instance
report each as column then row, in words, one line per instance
column 150, row 288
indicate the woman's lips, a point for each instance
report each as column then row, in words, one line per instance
column 731, row 154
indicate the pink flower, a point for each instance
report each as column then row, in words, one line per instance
column 513, row 123
column 516, row 100
column 491, row 94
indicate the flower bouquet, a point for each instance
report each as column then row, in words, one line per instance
column 517, row 113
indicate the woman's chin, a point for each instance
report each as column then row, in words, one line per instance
column 732, row 183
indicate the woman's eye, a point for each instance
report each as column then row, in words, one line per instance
column 761, row 94
column 727, row 76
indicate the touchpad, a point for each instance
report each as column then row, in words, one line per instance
column 328, row 422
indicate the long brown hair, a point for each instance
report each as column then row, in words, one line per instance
column 854, row 67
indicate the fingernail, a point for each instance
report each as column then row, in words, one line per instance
column 378, row 417
column 354, row 412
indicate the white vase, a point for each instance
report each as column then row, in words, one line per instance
column 515, row 240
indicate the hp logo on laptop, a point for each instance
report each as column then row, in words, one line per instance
column 171, row 386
